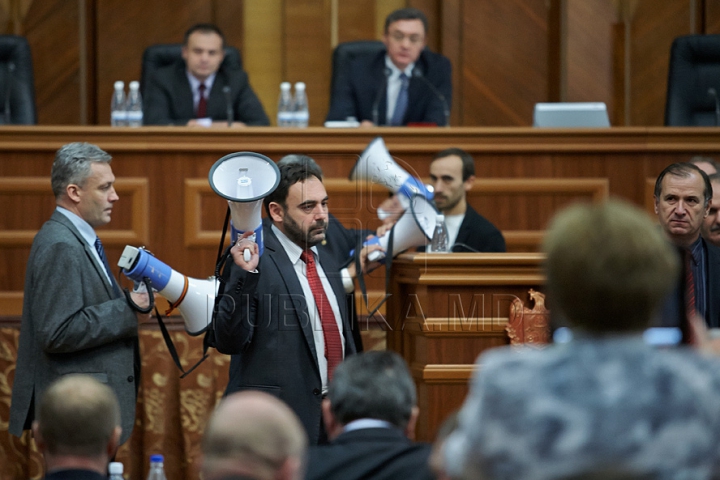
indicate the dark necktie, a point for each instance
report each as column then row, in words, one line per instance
column 402, row 101
column 202, row 103
column 331, row 334
column 103, row 258
column 689, row 285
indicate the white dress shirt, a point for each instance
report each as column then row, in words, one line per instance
column 394, row 84
column 293, row 252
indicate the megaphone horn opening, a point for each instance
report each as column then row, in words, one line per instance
column 254, row 172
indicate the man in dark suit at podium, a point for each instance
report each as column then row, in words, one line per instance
column 405, row 83
column 192, row 91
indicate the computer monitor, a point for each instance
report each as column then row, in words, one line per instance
column 571, row 114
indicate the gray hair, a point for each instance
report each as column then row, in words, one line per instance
column 72, row 165
column 373, row 385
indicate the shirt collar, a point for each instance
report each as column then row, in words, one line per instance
column 195, row 83
column 86, row 231
column 366, row 423
column 292, row 249
column 395, row 71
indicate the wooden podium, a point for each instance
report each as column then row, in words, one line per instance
column 444, row 310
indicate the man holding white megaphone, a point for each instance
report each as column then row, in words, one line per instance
column 283, row 315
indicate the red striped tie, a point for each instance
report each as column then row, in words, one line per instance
column 202, row 103
column 331, row 334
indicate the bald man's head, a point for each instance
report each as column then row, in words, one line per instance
column 254, row 434
column 77, row 424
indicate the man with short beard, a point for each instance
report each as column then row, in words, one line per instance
column 452, row 174
column 283, row 316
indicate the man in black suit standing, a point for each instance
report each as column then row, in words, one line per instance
column 452, row 174
column 78, row 428
column 192, row 91
column 283, row 316
column 370, row 416
column 405, row 83
column 683, row 196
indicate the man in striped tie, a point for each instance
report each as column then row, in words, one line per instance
column 683, row 196
column 283, row 316
column 74, row 319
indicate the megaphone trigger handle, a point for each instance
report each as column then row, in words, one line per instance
column 247, row 256
column 151, row 298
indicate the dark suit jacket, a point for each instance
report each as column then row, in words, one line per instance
column 672, row 311
column 75, row 474
column 367, row 78
column 72, row 322
column 262, row 321
column 479, row 234
column 370, row 453
column 168, row 99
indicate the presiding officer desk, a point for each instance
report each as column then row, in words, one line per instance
column 524, row 176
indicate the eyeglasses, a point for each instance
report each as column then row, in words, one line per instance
column 413, row 38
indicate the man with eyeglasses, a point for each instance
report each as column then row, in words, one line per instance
column 404, row 84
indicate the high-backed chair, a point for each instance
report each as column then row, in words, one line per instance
column 17, row 84
column 694, row 82
column 345, row 53
column 162, row 55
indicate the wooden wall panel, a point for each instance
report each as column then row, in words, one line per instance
column 356, row 20
column 711, row 15
column 308, row 52
column 125, row 29
column 654, row 26
column 589, row 52
column 505, row 54
column 52, row 28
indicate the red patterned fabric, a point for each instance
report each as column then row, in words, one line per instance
column 331, row 334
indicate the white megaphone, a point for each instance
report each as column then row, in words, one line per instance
column 414, row 229
column 376, row 165
column 194, row 298
column 244, row 179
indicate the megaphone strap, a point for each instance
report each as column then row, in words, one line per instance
column 173, row 306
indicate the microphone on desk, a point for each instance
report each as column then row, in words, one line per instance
column 713, row 93
column 376, row 103
column 228, row 105
column 8, row 90
column 417, row 73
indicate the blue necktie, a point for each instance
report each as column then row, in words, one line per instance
column 402, row 102
column 103, row 258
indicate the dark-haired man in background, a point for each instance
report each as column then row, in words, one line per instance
column 387, row 88
column 370, row 416
column 683, row 195
column 452, row 174
column 190, row 91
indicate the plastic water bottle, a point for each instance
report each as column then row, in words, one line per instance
column 118, row 114
column 115, row 469
column 157, row 472
column 302, row 114
column 285, row 115
column 439, row 241
column 134, row 106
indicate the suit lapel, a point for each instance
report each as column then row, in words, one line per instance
column 99, row 269
column 276, row 253
column 713, row 286
column 183, row 98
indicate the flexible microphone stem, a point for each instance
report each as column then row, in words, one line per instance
column 376, row 103
column 228, row 105
column 713, row 93
column 417, row 73
column 8, row 90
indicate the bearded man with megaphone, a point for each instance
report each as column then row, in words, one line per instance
column 283, row 316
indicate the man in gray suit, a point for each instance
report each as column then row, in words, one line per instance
column 75, row 318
